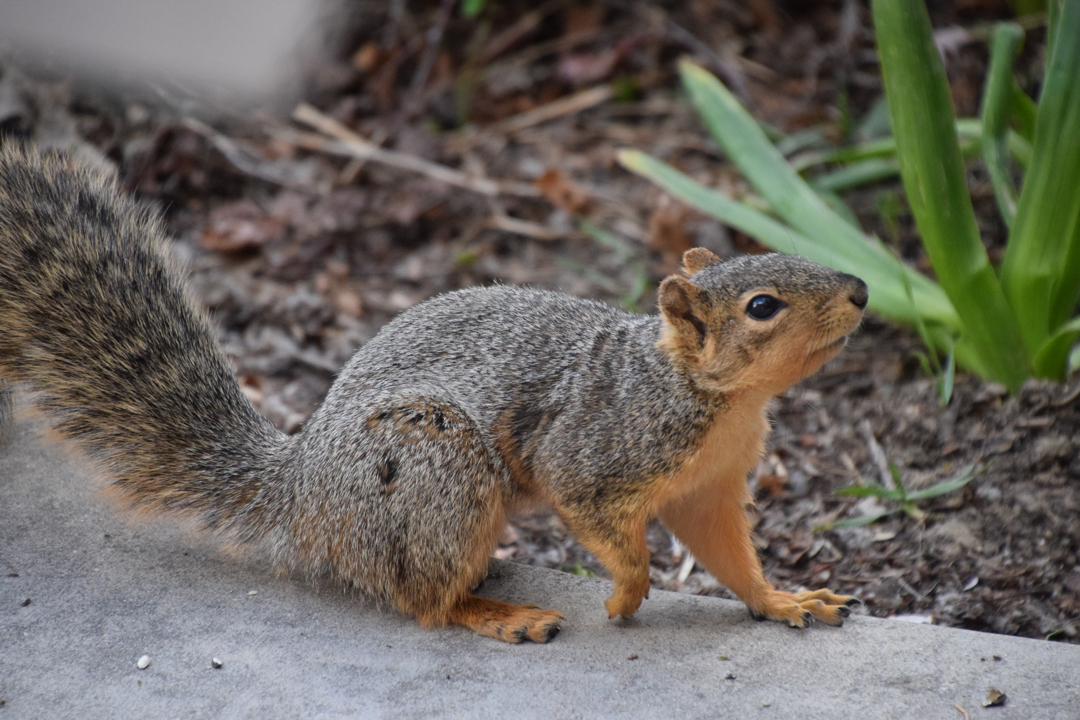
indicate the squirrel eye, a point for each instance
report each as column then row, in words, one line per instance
column 763, row 307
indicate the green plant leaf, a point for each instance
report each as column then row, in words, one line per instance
column 471, row 8
column 948, row 378
column 858, row 521
column 869, row 150
column 874, row 123
column 968, row 134
column 611, row 241
column 1059, row 345
column 935, row 181
column 1053, row 17
column 1023, row 113
column 856, row 174
column 837, row 205
column 762, row 164
column 997, row 96
column 1041, row 270
column 924, row 362
column 966, row 475
column 898, row 480
column 579, row 570
column 1074, row 360
column 873, row 490
column 1028, row 7
column 796, row 142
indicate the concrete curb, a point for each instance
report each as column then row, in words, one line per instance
column 103, row 592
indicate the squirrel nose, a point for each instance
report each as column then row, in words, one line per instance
column 860, row 295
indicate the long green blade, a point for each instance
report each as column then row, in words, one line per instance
column 969, row 131
column 1060, row 344
column 1041, row 270
column 997, row 97
column 966, row 475
column 860, row 173
column 934, row 178
column 763, row 165
column 1023, row 113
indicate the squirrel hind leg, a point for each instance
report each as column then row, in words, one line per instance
column 420, row 516
column 451, row 484
column 506, row 621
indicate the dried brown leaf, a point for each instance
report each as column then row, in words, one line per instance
column 587, row 67
column 581, row 18
column 240, row 225
column 563, row 192
column 367, row 58
column 667, row 228
column 995, row 698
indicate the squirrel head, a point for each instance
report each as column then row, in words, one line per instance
column 758, row 323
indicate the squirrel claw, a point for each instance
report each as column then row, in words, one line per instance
column 549, row 631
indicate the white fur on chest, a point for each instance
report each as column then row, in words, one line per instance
column 730, row 449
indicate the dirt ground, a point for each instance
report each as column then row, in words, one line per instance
column 302, row 253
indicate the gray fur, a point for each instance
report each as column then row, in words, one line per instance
column 456, row 413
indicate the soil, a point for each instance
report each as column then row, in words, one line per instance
column 302, row 256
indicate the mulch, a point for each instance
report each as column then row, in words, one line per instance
column 305, row 235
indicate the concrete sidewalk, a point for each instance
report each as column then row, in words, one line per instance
column 103, row 592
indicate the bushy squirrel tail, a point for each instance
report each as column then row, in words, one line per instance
column 95, row 321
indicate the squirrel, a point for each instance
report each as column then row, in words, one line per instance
column 459, row 412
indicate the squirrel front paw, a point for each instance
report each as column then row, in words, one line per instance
column 799, row 609
column 627, row 599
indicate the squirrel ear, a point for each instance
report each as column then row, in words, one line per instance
column 682, row 303
column 696, row 259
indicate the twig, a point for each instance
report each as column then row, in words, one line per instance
column 877, row 455
column 677, row 548
column 350, row 171
column 522, row 121
column 524, row 227
column 1067, row 398
column 685, row 567
column 564, row 106
column 730, row 75
column 247, row 161
column 521, row 27
column 962, row 711
column 549, row 47
column 343, row 141
column 432, row 40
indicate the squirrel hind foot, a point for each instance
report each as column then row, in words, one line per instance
column 506, row 621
